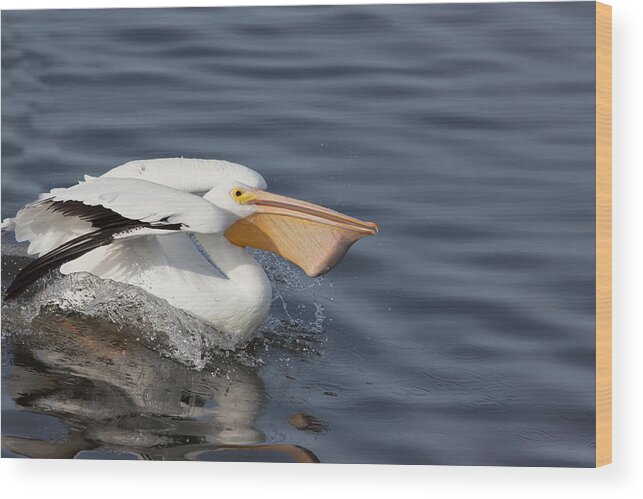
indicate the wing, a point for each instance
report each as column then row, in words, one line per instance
column 73, row 249
column 144, row 201
column 188, row 175
column 96, row 213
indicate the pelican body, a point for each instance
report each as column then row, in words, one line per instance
column 179, row 228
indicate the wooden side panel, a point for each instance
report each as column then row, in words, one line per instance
column 603, row 234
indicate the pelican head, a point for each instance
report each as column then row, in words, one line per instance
column 313, row 237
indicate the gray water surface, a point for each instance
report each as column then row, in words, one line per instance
column 462, row 334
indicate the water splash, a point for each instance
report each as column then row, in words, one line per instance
column 295, row 323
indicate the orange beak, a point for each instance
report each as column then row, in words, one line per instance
column 311, row 236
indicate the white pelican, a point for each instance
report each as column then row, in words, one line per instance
column 178, row 228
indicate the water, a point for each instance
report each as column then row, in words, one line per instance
column 462, row 334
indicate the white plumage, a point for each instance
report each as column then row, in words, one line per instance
column 188, row 175
column 146, row 201
column 43, row 229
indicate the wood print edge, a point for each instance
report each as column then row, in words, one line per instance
column 603, row 234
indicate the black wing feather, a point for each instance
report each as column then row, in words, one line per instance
column 98, row 216
column 108, row 224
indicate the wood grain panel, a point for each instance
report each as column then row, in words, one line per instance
column 603, row 234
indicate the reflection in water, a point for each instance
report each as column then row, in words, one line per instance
column 118, row 396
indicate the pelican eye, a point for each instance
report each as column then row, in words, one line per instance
column 239, row 195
